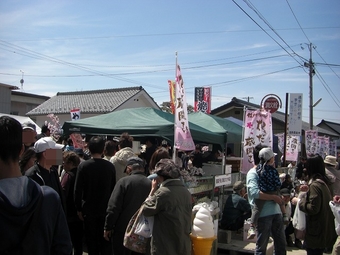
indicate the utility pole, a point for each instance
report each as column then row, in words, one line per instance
column 310, row 65
column 247, row 98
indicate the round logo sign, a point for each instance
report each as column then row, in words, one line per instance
column 271, row 104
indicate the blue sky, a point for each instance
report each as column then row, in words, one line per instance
column 62, row 46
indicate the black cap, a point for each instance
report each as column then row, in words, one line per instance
column 134, row 162
column 285, row 192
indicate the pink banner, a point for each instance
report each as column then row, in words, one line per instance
column 292, row 145
column 183, row 139
column 257, row 130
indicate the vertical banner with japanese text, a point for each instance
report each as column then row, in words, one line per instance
column 292, row 146
column 183, row 139
column 257, row 130
column 311, row 141
column 172, row 86
column 295, row 114
column 202, row 99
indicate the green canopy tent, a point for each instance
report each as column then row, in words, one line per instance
column 138, row 122
column 217, row 125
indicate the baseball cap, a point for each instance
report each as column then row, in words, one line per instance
column 28, row 125
column 266, row 154
column 134, row 162
column 167, row 168
column 46, row 143
column 285, row 192
column 238, row 185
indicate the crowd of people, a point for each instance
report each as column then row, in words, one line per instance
column 68, row 199
column 269, row 200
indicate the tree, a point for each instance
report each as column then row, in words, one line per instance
column 165, row 107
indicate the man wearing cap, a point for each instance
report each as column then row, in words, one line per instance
column 28, row 134
column 48, row 153
column 332, row 173
column 171, row 206
column 126, row 198
column 236, row 209
column 95, row 180
column 270, row 221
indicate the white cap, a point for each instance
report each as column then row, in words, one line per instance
column 266, row 154
column 46, row 143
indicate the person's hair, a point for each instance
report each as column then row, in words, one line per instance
column 44, row 129
column 316, row 168
column 110, row 148
column 25, row 157
column 125, row 140
column 96, row 145
column 69, row 142
column 11, row 139
column 72, row 157
column 157, row 156
column 256, row 152
column 198, row 147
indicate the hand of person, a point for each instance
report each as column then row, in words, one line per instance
column 154, row 184
column 294, row 200
column 278, row 200
column 304, row 188
column 107, row 234
column 80, row 216
column 336, row 199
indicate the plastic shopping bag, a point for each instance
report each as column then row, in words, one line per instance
column 336, row 211
column 144, row 226
column 299, row 222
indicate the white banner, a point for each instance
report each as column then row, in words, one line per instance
column 292, row 146
column 295, row 114
column 183, row 139
column 75, row 114
column 311, row 141
column 257, row 130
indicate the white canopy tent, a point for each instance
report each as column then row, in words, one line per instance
column 23, row 119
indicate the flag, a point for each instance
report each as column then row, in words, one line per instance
column 172, row 86
column 257, row 130
column 203, row 99
column 183, row 139
column 75, row 114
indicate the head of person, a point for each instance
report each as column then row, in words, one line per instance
column 134, row 164
column 28, row 133
column 167, row 169
column 96, row 145
column 303, row 159
column 330, row 161
column 48, row 150
column 27, row 159
column 150, row 141
column 285, row 193
column 316, row 168
column 125, row 140
column 239, row 188
column 70, row 160
column 267, row 156
column 110, row 148
column 157, row 156
column 256, row 152
column 11, row 140
column 45, row 130
column 288, row 178
column 198, row 148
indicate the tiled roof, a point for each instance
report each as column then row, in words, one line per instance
column 332, row 125
column 90, row 101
